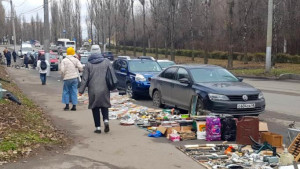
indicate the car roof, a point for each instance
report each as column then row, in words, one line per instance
column 193, row 66
column 164, row 61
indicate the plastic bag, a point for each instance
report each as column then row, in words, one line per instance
column 213, row 129
column 155, row 134
column 228, row 132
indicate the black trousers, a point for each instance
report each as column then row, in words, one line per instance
column 96, row 115
column 8, row 62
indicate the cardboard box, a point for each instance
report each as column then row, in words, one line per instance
column 274, row 139
column 170, row 130
column 186, row 128
column 162, row 129
column 263, row 127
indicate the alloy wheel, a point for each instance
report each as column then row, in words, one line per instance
column 157, row 99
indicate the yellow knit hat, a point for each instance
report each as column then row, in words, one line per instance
column 70, row 51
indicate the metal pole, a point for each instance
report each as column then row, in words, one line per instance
column 269, row 37
column 46, row 27
column 46, row 34
column 13, row 24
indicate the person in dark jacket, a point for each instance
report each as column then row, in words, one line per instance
column 26, row 60
column 94, row 77
column 8, row 58
column 14, row 56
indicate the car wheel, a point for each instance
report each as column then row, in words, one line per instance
column 200, row 108
column 157, row 99
column 129, row 91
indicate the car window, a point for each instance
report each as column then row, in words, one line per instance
column 166, row 64
column 169, row 73
column 144, row 66
column 201, row 75
column 182, row 73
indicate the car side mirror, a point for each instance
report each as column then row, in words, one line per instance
column 184, row 80
column 123, row 70
column 240, row 79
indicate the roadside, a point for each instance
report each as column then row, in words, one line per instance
column 252, row 69
column 123, row 147
column 25, row 129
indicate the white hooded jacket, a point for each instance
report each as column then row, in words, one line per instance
column 69, row 67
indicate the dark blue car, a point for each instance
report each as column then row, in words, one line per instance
column 205, row 89
column 108, row 55
column 134, row 74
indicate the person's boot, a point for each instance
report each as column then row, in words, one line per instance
column 106, row 125
column 73, row 108
column 67, row 107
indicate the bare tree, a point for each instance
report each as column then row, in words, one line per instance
column 173, row 7
column 230, row 34
column 191, row 7
column 108, row 5
column 144, row 26
column 124, row 10
column 206, row 6
column 155, row 12
column 134, row 28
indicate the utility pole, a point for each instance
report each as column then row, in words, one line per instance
column 269, row 37
column 46, row 34
column 13, row 24
column 46, row 27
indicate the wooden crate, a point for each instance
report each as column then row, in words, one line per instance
column 294, row 148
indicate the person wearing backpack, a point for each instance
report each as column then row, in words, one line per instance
column 70, row 67
column 42, row 66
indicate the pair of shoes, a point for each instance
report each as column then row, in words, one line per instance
column 106, row 125
column 97, row 131
column 66, row 108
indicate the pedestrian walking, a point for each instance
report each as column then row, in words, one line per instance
column 42, row 66
column 14, row 56
column 70, row 67
column 94, row 77
column 26, row 60
column 8, row 58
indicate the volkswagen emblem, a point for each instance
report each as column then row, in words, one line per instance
column 245, row 97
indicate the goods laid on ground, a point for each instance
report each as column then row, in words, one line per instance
column 254, row 147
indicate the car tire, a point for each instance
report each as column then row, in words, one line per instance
column 200, row 108
column 156, row 98
column 129, row 91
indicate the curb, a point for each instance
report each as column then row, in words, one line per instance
column 289, row 76
column 282, row 77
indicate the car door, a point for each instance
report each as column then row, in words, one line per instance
column 182, row 92
column 166, row 83
column 121, row 76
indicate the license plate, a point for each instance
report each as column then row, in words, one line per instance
column 245, row 106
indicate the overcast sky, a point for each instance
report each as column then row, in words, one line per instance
column 23, row 6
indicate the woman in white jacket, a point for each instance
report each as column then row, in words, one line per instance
column 70, row 67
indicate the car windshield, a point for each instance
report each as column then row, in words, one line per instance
column 26, row 49
column 206, row 75
column 83, row 60
column 144, row 66
column 166, row 64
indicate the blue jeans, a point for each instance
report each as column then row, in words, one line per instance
column 70, row 91
column 43, row 77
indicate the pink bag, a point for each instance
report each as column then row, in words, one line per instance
column 213, row 129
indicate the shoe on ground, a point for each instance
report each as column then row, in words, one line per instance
column 73, row 108
column 66, row 109
column 106, row 129
column 97, row 131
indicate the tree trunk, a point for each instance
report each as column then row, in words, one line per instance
column 230, row 24
column 134, row 29
column 206, row 33
column 144, row 30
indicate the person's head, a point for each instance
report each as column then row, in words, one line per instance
column 42, row 57
column 70, row 51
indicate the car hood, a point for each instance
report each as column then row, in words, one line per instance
column 228, row 88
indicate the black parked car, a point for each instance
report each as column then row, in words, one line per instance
column 218, row 91
column 109, row 55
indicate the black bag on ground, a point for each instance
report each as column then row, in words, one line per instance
column 110, row 82
column 228, row 129
column 43, row 65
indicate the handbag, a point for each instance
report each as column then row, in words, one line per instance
column 110, row 81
